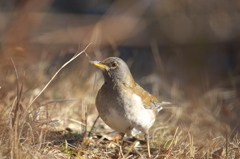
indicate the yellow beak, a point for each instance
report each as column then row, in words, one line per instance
column 99, row 64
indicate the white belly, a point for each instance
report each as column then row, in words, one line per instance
column 133, row 119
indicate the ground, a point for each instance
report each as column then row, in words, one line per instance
column 59, row 123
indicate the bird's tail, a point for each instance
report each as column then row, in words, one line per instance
column 164, row 105
column 159, row 106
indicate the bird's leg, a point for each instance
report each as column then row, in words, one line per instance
column 148, row 145
column 121, row 139
column 121, row 144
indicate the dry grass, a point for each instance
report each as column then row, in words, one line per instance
column 47, row 123
column 48, row 116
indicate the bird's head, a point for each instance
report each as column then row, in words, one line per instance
column 115, row 69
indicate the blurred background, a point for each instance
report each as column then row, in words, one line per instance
column 184, row 51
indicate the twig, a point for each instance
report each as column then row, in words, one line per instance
column 174, row 137
column 79, row 122
column 98, row 115
column 15, row 118
column 58, row 100
column 131, row 148
column 17, row 103
column 93, row 126
column 74, row 57
column 86, row 120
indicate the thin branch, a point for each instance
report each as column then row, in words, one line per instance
column 95, row 121
column 17, row 103
column 58, row 100
column 74, row 57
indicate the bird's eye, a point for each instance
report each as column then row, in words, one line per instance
column 114, row 64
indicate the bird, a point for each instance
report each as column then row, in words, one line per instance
column 122, row 103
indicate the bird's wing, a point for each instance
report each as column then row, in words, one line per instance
column 149, row 101
column 147, row 98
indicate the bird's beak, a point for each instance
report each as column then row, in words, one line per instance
column 99, row 64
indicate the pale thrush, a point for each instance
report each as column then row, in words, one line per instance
column 121, row 103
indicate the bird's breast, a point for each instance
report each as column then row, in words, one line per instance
column 124, row 111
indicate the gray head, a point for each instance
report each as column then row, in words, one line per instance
column 116, row 70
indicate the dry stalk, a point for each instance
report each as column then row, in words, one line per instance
column 73, row 58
